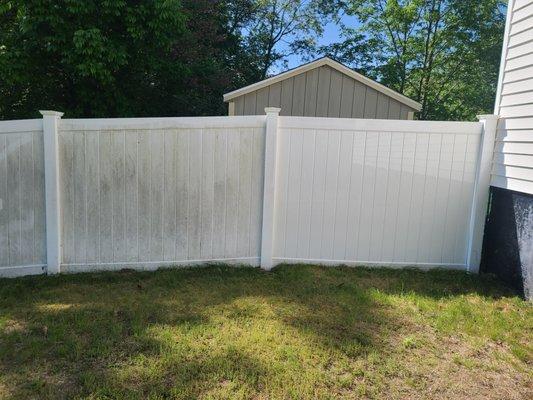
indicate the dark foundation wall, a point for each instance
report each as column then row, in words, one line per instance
column 508, row 241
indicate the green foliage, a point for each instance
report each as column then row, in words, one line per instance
column 443, row 53
column 276, row 29
column 96, row 58
column 115, row 58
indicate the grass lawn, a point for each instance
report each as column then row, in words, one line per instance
column 298, row 332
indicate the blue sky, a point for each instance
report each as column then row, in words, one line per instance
column 331, row 35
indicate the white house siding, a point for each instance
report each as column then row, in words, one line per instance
column 513, row 158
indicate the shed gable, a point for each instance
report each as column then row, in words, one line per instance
column 321, row 92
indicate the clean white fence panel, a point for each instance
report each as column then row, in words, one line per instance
column 343, row 199
column 355, row 202
column 426, row 230
column 415, row 204
column 280, row 206
column 364, row 228
column 377, row 226
column 306, row 191
column 365, row 192
column 171, row 194
column 405, row 196
column 330, row 194
column 317, row 199
column 469, row 175
column 22, row 215
column 453, row 214
column 440, row 217
column 293, row 192
column 392, row 196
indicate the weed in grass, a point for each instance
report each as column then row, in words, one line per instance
column 410, row 342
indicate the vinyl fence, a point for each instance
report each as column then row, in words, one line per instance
column 22, row 200
column 160, row 192
column 89, row 194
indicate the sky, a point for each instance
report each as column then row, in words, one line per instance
column 330, row 35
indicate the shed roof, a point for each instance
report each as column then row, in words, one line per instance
column 319, row 63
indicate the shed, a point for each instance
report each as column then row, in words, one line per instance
column 322, row 88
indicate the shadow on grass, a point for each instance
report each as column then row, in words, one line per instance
column 184, row 333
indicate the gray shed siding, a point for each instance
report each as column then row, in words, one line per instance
column 322, row 92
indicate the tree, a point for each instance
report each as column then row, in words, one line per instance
column 443, row 53
column 88, row 58
column 119, row 58
column 277, row 29
column 213, row 55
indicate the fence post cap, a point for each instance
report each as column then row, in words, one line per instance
column 272, row 110
column 487, row 117
column 51, row 113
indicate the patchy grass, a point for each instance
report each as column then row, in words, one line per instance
column 299, row 332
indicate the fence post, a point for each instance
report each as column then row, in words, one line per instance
column 269, row 188
column 52, row 197
column 481, row 191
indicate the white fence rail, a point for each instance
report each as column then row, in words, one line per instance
column 153, row 192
